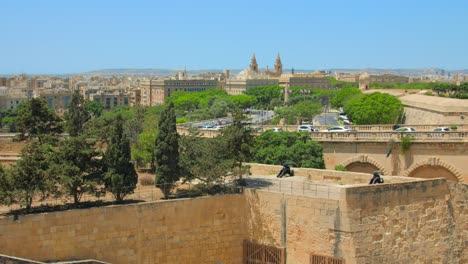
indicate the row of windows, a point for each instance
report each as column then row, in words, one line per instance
column 191, row 84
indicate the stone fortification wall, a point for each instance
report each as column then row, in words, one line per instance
column 201, row 230
column 414, row 222
column 407, row 222
column 306, row 224
column 420, row 116
column 8, row 146
column 458, row 220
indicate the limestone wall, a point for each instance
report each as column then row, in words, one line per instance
column 413, row 222
column 309, row 227
column 405, row 223
column 458, row 220
column 419, row 116
column 8, row 146
column 201, row 230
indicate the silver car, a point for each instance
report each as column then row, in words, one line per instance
column 307, row 128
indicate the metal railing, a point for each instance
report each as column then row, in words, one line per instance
column 302, row 188
column 140, row 194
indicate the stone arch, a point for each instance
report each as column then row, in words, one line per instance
column 365, row 159
column 433, row 162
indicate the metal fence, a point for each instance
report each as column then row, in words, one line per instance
column 139, row 194
column 322, row 259
column 303, row 188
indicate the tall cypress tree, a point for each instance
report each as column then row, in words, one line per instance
column 120, row 175
column 167, row 151
column 77, row 115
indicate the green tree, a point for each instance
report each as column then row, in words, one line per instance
column 264, row 95
column 135, row 123
column 94, row 108
column 375, row 108
column 30, row 177
column 120, row 176
column 203, row 159
column 343, row 95
column 289, row 114
column 6, row 186
column 143, row 150
column 167, row 152
column 77, row 168
column 243, row 101
column 238, row 140
column 76, row 116
column 279, row 147
column 35, row 120
column 307, row 110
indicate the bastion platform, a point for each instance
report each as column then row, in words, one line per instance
column 331, row 213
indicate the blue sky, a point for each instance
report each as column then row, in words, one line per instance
column 76, row 36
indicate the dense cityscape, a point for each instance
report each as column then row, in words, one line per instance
column 247, row 132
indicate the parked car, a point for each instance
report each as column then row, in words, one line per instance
column 347, row 122
column 308, row 128
column 441, row 129
column 338, row 129
column 405, row 129
column 342, row 117
column 276, row 129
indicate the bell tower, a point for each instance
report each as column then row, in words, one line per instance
column 278, row 66
column 254, row 65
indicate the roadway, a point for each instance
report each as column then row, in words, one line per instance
column 326, row 119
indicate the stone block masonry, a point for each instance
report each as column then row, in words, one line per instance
column 422, row 221
column 202, row 230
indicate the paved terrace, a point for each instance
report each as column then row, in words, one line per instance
column 325, row 184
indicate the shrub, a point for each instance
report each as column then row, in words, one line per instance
column 181, row 120
column 147, row 180
column 406, row 143
column 340, row 168
column 429, row 93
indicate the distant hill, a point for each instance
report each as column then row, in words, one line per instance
column 168, row 72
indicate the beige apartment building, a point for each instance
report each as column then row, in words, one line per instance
column 347, row 77
column 111, row 99
column 57, row 99
column 239, row 86
column 145, row 92
column 161, row 89
column 11, row 98
column 305, row 80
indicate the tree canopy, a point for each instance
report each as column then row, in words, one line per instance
column 36, row 120
column 375, row 108
column 279, row 147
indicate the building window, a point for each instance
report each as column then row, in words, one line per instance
column 107, row 103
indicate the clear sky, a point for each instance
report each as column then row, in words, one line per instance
column 66, row 36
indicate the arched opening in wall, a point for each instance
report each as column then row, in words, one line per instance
column 363, row 167
column 433, row 171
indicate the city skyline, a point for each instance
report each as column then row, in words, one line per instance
column 54, row 37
